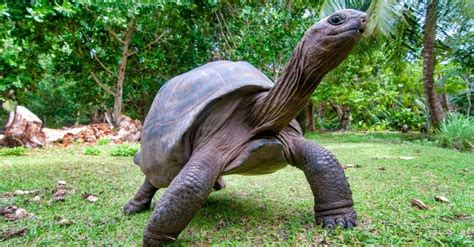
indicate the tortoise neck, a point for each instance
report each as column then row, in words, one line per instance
column 292, row 91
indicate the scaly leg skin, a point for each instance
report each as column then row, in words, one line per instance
column 332, row 196
column 184, row 197
column 142, row 199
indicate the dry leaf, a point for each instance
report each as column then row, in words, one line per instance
column 61, row 183
column 59, row 191
column 18, row 192
column 89, row 197
column 442, row 199
column 64, row 222
column 59, row 194
column 7, row 194
column 220, row 225
column 462, row 216
column 36, row 199
column 21, row 213
column 419, row 204
column 26, row 192
column 405, row 157
column 8, row 210
column 14, row 233
column 13, row 213
column 348, row 166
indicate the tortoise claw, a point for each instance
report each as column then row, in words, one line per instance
column 345, row 220
column 135, row 207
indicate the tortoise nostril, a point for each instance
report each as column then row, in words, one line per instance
column 363, row 23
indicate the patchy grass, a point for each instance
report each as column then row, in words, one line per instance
column 16, row 151
column 271, row 209
column 124, row 150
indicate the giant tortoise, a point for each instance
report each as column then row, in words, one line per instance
column 228, row 118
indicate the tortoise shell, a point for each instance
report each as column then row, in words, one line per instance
column 178, row 104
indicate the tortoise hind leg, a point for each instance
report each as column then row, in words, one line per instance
column 183, row 198
column 332, row 196
column 142, row 199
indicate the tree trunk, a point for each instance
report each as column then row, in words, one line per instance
column 321, row 113
column 310, row 117
column 344, row 116
column 435, row 108
column 345, row 119
column 23, row 128
column 117, row 114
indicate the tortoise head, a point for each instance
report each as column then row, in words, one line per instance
column 328, row 42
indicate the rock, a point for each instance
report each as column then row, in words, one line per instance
column 405, row 128
column 23, row 128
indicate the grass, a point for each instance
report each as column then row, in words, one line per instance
column 457, row 132
column 271, row 209
column 16, row 151
column 124, row 150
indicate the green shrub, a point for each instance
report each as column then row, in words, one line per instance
column 16, row 151
column 91, row 151
column 405, row 116
column 457, row 132
column 104, row 141
column 124, row 150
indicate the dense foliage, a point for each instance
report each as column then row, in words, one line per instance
column 64, row 60
column 457, row 132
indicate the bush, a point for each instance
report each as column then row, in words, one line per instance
column 457, row 132
column 124, row 150
column 405, row 116
column 91, row 151
column 104, row 141
column 16, row 151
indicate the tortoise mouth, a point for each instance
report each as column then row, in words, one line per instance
column 353, row 32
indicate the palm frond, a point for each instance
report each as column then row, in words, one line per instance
column 330, row 6
column 384, row 16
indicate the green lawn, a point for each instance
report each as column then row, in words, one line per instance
column 272, row 209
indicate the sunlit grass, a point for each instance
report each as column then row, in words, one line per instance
column 273, row 209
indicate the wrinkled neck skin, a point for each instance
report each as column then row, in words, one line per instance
column 303, row 73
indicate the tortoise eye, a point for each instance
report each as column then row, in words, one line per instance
column 336, row 19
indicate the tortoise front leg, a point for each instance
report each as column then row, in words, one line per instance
column 332, row 196
column 142, row 199
column 185, row 195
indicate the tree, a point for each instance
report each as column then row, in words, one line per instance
column 400, row 21
column 434, row 105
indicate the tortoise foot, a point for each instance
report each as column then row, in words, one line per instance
column 220, row 184
column 150, row 239
column 342, row 217
column 135, row 207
